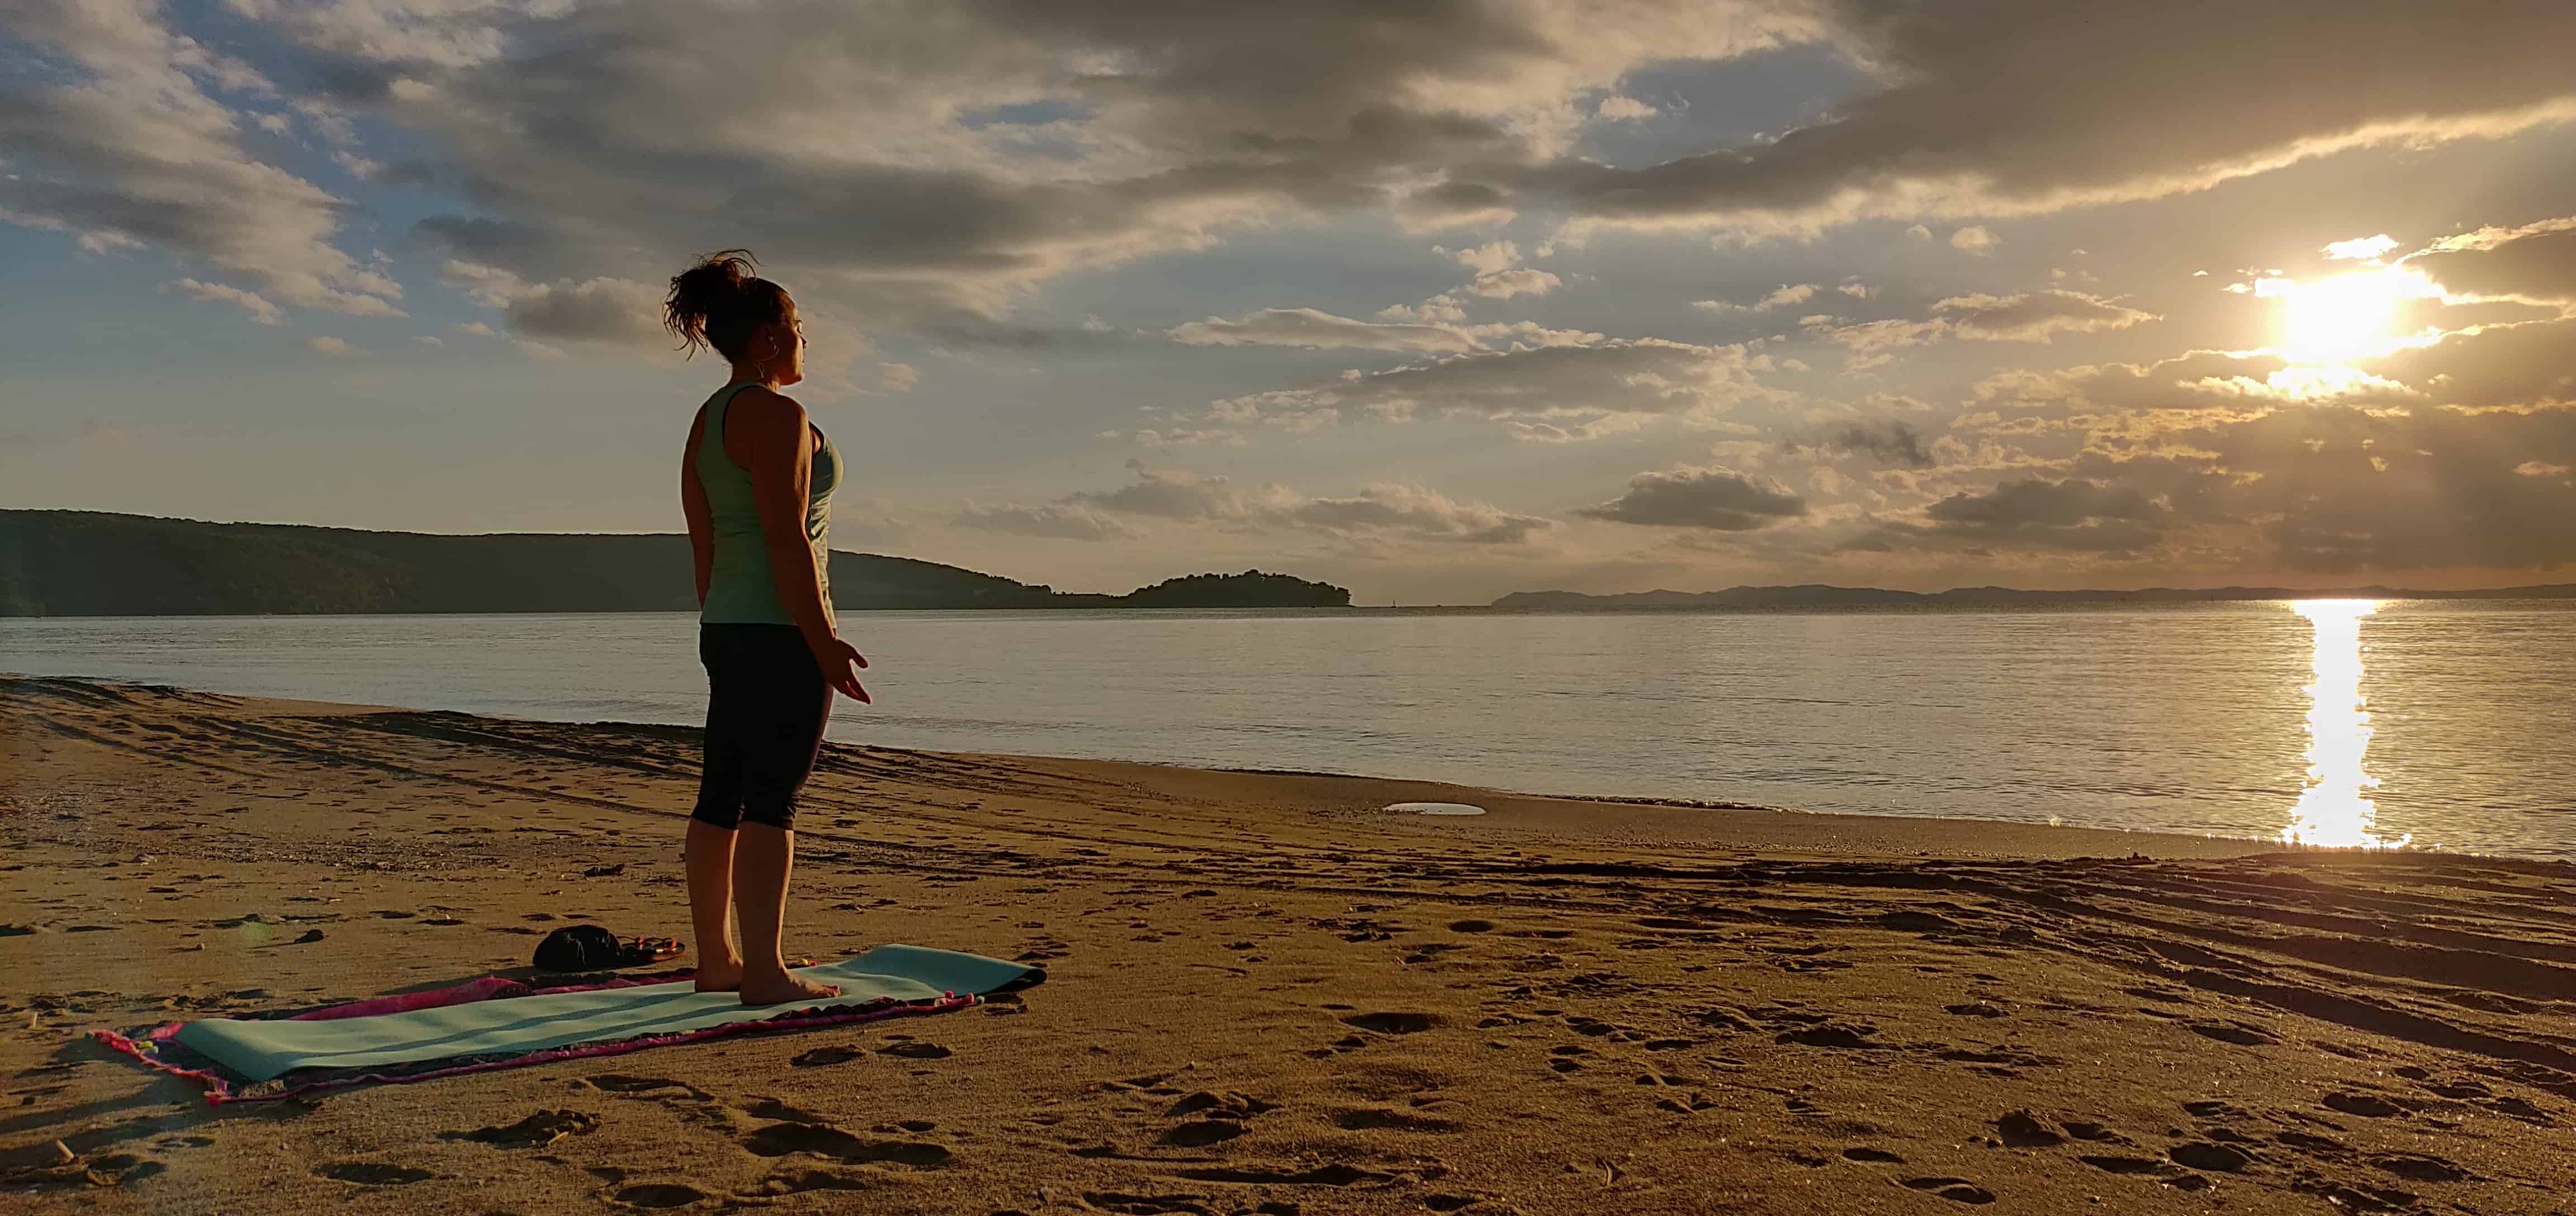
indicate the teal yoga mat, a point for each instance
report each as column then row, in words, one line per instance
column 265, row 1050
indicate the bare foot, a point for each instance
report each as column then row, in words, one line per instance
column 779, row 988
column 720, row 975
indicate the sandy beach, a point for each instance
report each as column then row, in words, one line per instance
column 1265, row 995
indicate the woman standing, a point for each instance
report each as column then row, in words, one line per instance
column 756, row 483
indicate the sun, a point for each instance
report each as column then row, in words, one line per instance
column 2352, row 316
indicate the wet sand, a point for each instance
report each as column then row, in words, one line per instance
column 1265, row 995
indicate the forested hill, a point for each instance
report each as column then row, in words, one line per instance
column 87, row 563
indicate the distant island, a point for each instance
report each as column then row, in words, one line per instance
column 91, row 563
column 1819, row 595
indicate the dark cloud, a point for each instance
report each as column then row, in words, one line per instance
column 917, row 159
column 1379, row 512
column 2031, row 317
column 2509, row 366
column 1548, row 373
column 2081, row 517
column 1893, row 442
column 2039, row 513
column 535, row 250
column 1960, row 128
column 2347, row 491
column 1314, row 328
column 1716, row 498
column 601, row 310
column 636, row 133
column 2536, row 262
column 2034, row 316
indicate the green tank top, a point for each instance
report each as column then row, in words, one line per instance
column 740, row 589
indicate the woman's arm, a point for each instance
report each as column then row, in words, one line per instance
column 693, row 504
column 780, row 443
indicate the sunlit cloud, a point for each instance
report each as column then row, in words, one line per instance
column 2363, row 248
column 1787, row 295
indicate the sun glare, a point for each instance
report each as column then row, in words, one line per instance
column 2333, row 810
column 2352, row 316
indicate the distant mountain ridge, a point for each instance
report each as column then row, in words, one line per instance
column 1820, row 595
column 92, row 563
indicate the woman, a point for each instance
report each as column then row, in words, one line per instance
column 756, row 483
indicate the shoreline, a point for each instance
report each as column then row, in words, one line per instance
column 1264, row 996
column 1611, row 816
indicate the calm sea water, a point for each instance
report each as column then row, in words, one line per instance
column 2194, row 718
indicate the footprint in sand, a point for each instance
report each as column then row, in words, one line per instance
column 1322, row 1175
column 780, row 1112
column 2364, row 1105
column 1394, row 1023
column 369, row 1173
column 618, row 1083
column 2022, row 1129
column 1957, row 1190
column 2204, row 1155
column 1218, row 1104
column 822, row 1057
column 1215, row 1116
column 1145, row 1205
column 779, row 1185
column 824, row 1140
column 915, row 1051
column 2421, row 1167
column 1201, row 1133
column 2238, row 1033
column 653, row 1196
column 536, row 1131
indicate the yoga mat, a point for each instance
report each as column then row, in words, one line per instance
column 256, row 1050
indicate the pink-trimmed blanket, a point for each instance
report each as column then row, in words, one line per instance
column 266, row 1058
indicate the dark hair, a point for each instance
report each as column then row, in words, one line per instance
column 719, row 302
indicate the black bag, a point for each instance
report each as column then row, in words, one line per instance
column 580, row 948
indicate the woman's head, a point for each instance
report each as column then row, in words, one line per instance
column 749, row 320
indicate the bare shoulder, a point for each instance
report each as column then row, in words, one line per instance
column 769, row 405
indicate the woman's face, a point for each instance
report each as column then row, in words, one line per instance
column 788, row 338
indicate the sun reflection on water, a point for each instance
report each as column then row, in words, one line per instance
column 2333, row 809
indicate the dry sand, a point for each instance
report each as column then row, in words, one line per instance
column 1265, row 995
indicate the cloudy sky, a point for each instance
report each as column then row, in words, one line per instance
column 1436, row 300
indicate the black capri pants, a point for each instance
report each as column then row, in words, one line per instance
column 766, row 706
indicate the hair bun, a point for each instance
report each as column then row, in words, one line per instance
column 717, row 301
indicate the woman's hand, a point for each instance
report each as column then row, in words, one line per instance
column 841, row 662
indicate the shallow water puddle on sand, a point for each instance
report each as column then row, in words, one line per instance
column 1434, row 808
